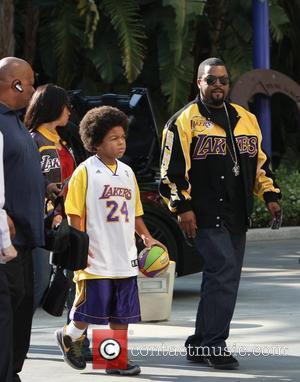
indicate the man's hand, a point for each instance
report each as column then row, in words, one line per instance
column 274, row 209
column 187, row 221
column 52, row 191
column 12, row 228
column 276, row 213
column 8, row 254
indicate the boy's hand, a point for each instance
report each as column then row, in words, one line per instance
column 149, row 241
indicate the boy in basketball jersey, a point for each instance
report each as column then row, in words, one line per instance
column 104, row 199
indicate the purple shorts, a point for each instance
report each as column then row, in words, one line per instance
column 100, row 301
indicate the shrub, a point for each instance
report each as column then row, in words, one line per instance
column 289, row 181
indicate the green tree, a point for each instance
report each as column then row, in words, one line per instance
column 111, row 45
column 7, row 40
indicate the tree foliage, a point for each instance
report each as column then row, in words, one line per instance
column 112, row 45
column 7, row 40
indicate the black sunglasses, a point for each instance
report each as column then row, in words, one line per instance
column 211, row 80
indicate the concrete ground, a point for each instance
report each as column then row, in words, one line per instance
column 264, row 332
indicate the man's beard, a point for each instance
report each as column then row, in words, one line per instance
column 214, row 102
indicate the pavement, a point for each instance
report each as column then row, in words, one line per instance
column 263, row 234
column 264, row 333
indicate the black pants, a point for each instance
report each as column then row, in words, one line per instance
column 19, row 274
column 6, row 334
column 223, row 253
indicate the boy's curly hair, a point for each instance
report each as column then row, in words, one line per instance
column 97, row 122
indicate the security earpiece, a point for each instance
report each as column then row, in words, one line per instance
column 18, row 87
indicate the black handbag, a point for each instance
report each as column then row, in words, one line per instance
column 49, row 231
column 70, row 249
column 57, row 293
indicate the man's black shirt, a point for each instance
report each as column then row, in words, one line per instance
column 233, row 212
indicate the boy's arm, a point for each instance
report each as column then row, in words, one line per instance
column 74, row 221
column 75, row 200
column 140, row 227
column 142, row 231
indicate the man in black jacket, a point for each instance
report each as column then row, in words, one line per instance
column 212, row 163
column 25, row 195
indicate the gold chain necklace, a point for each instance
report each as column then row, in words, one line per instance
column 236, row 167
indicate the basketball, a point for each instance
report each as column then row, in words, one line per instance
column 153, row 261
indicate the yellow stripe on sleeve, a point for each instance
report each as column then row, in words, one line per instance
column 138, row 204
column 75, row 201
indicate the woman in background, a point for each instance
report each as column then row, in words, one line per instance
column 61, row 149
column 49, row 110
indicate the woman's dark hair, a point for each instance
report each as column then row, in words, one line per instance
column 98, row 122
column 46, row 105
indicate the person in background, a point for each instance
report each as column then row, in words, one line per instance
column 48, row 109
column 60, row 148
column 7, row 253
column 25, row 189
column 212, row 163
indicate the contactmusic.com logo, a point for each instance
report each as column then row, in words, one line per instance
column 109, row 349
